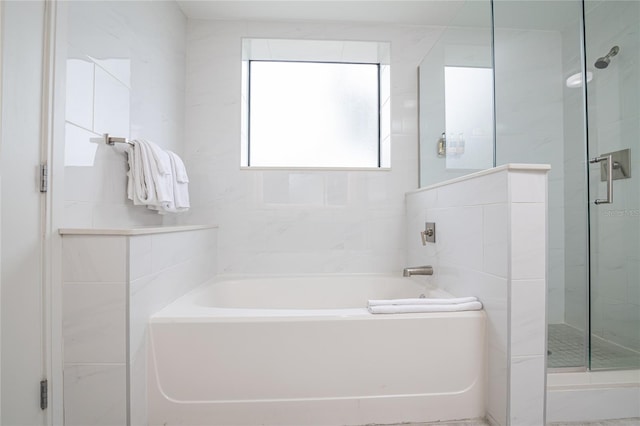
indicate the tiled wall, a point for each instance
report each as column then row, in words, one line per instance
column 297, row 221
column 125, row 76
column 491, row 243
column 111, row 285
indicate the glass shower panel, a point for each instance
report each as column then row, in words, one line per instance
column 540, row 119
column 612, row 39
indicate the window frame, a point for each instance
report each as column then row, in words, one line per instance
column 375, row 52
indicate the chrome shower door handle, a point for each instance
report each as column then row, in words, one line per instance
column 609, row 160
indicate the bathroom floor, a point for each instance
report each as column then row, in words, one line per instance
column 620, row 422
column 566, row 345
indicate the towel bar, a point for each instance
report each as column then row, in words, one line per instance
column 110, row 140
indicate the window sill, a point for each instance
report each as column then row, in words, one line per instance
column 317, row 169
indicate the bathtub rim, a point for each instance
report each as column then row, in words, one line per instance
column 185, row 309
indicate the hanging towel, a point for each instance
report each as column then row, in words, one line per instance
column 157, row 178
column 180, row 182
column 411, row 309
column 161, row 175
column 150, row 175
column 423, row 301
column 177, row 168
column 140, row 186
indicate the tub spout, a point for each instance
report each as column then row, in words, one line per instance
column 417, row 270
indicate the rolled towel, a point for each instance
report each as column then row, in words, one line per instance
column 413, row 309
column 423, row 301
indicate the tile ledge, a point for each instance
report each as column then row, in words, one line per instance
column 512, row 167
column 142, row 230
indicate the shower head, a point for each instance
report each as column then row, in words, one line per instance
column 603, row 62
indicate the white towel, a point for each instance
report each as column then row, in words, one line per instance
column 140, row 186
column 151, row 185
column 180, row 184
column 161, row 174
column 412, row 309
column 157, row 178
column 177, row 168
column 423, row 301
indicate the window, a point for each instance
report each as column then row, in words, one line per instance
column 468, row 117
column 313, row 111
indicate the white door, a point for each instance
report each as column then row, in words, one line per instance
column 22, row 297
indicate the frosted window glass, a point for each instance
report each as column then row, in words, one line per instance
column 309, row 114
column 469, row 117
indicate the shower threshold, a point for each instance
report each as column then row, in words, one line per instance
column 566, row 352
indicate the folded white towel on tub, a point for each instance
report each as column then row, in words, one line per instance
column 414, row 309
column 423, row 301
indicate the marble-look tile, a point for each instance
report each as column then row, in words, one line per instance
column 138, row 91
column 94, row 322
column 94, row 259
column 174, row 248
column 119, row 68
column 528, row 317
column 95, row 395
column 80, row 182
column 251, row 238
column 140, row 254
column 528, row 187
column 528, row 241
column 112, row 105
column 592, row 404
column 527, row 387
column 78, row 214
column 79, row 96
column 123, row 215
column 486, row 189
column 138, row 387
column 459, row 235
column 79, row 150
column 497, row 385
column 495, row 239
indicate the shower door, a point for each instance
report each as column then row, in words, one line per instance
column 612, row 45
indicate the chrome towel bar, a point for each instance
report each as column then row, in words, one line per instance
column 110, row 140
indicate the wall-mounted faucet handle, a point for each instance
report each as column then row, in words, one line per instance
column 429, row 233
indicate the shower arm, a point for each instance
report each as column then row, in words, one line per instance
column 609, row 160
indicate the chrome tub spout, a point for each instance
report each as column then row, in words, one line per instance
column 417, row 270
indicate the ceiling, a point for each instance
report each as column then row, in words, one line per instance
column 426, row 12
column 547, row 15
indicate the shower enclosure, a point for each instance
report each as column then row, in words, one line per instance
column 566, row 93
column 589, row 133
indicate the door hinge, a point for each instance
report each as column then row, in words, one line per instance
column 44, row 394
column 44, row 177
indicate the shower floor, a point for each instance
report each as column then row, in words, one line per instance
column 566, row 346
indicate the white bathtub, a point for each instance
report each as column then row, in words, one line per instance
column 305, row 351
